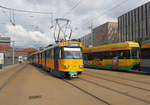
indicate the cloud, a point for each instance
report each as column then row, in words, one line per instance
column 22, row 37
column 37, row 26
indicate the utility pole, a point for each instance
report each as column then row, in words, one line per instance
column 13, row 42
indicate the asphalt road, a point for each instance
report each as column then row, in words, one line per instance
column 24, row 84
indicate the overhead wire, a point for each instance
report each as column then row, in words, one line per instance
column 109, row 9
column 75, row 6
column 27, row 11
column 106, row 11
column 67, row 13
column 11, row 16
column 12, row 10
column 6, row 15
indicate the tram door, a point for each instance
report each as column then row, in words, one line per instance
column 56, row 57
column 45, row 58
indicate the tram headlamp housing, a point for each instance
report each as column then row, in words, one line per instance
column 81, row 66
column 66, row 66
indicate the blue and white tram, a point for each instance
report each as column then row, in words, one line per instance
column 145, row 56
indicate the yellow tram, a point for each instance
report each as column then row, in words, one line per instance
column 118, row 56
column 63, row 59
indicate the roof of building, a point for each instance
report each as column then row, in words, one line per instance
column 27, row 50
column 4, row 47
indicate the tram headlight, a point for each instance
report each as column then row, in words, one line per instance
column 81, row 66
column 66, row 66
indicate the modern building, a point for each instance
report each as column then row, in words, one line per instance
column 105, row 34
column 5, row 41
column 87, row 40
column 135, row 24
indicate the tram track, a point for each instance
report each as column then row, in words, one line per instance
column 121, row 83
column 116, row 91
column 88, row 93
column 123, row 78
column 12, row 76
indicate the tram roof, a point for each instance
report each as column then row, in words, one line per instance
column 61, row 44
column 112, row 47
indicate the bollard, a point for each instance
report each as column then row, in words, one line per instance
column 1, row 66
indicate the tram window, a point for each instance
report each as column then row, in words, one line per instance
column 107, row 55
column 45, row 54
column 110, row 55
column 36, row 56
column 95, row 55
column 101, row 54
column 124, row 54
column 89, row 56
column 52, row 53
column 48, row 54
column 56, row 52
column 85, row 56
column 41, row 55
column 71, row 53
column 135, row 52
column 60, row 53
column 116, row 54
column 145, row 53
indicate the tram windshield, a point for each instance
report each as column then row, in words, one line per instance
column 135, row 53
column 71, row 53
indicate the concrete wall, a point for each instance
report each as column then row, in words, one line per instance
column 105, row 34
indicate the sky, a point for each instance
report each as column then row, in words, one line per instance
column 33, row 30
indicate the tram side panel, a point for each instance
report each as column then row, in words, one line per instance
column 145, row 60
